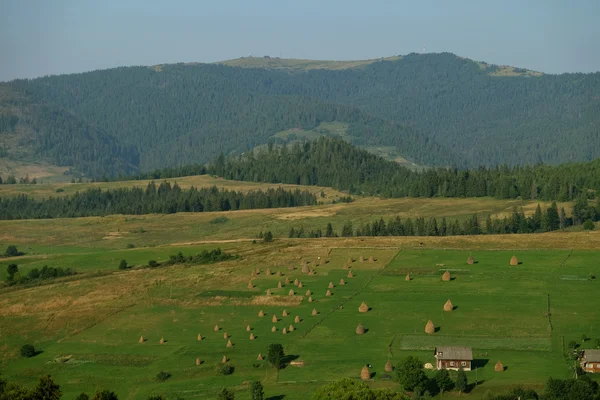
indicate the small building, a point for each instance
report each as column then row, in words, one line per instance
column 590, row 361
column 453, row 357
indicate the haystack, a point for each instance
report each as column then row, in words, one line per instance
column 229, row 344
column 291, row 292
column 448, row 306
column 287, row 281
column 291, row 328
column 297, row 320
column 310, row 300
column 279, row 273
column 284, row 313
column 274, row 319
column 470, row 260
column 346, row 266
column 268, row 272
column 300, row 285
column 514, row 261
column 371, row 259
column 252, row 336
column 259, row 358
column 350, row 274
column 284, row 331
column 365, row 374
column 360, row 329
column 224, row 359
column 261, row 313
column 198, row 362
column 499, row 367
column 363, row 307
column 248, row 328
column 361, row 259
column 253, row 273
column 296, row 282
column 308, row 292
column 342, row 282
column 305, row 269
column 200, row 337
column 314, row 311
column 446, row 276
column 257, row 271
column 388, row 366
column 216, row 328
column 429, row 328
column 328, row 293
column 142, row 340
column 291, row 267
column 250, row 285
column 162, row 340
column 311, row 273
column 268, row 292
column 274, row 329
column 225, row 335
column 330, row 285
column 350, row 260
column 279, row 285
column 408, row 278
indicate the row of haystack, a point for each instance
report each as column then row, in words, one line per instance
column 365, row 372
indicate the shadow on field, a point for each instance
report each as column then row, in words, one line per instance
column 288, row 359
column 473, row 385
column 479, row 363
column 366, row 330
column 437, row 329
column 278, row 397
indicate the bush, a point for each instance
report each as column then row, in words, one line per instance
column 219, row 220
column 105, row 395
column 82, row 396
column 588, row 225
column 130, row 246
column 123, row 264
column 163, row 376
column 60, row 190
column 27, row 351
column 268, row 237
column 225, row 369
column 153, row 264
column 225, row 394
column 11, row 251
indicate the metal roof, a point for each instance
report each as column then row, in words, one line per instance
column 453, row 353
column 591, row 355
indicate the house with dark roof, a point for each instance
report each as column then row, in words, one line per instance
column 453, row 357
column 590, row 361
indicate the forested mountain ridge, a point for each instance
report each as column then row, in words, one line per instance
column 436, row 109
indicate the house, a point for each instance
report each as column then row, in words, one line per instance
column 590, row 361
column 453, row 357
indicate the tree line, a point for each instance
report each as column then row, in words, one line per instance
column 162, row 199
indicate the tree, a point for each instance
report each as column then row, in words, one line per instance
column 123, row 264
column 27, row 351
column 82, row 396
column 275, row 355
column 588, row 225
column 105, row 395
column 46, row 389
column 347, row 229
column 12, row 251
column 349, row 389
column 580, row 210
column 225, row 394
column 257, row 391
column 268, row 237
column 461, row 381
column 411, row 374
column 12, row 269
column 329, row 230
column 443, row 381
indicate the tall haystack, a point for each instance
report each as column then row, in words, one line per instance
column 305, row 269
column 296, row 282
column 257, row 271
column 297, row 319
column 284, row 313
column 260, row 357
column 268, row 292
column 350, row 274
column 287, row 281
column 448, row 306
column 162, row 340
column 514, row 261
column 361, row 259
column 328, row 293
column 499, row 367
column 430, row 328
column 314, row 311
column 346, row 266
column 252, row 336
column 198, row 362
column 274, row 319
column 330, row 285
column 253, row 273
column 291, row 267
column 291, row 328
column 300, row 285
column 408, row 278
column 279, row 285
column 308, row 292
column 200, row 337
column 291, row 292
column 350, row 260
column 216, row 328
column 365, row 374
column 250, row 285
column 360, row 329
column 261, row 313
column 225, row 335
column 224, row 360
column 311, row 273
column 284, row 331
column 279, row 273
column 268, row 272
column 363, row 307
column 310, row 300
column 142, row 340
column 248, row 328
column 371, row 259
column 470, row 260
column 342, row 282
column 446, row 276
column 388, row 366
column 274, row 329
column 229, row 344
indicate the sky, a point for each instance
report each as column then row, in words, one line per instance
column 39, row 37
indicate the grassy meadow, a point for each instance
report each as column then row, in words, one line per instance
column 87, row 327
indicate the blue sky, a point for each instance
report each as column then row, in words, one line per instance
column 64, row 36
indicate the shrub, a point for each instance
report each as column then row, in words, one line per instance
column 225, row 394
column 268, row 237
column 153, row 264
column 82, row 396
column 12, row 251
column 225, row 369
column 588, row 225
column 163, row 376
column 60, row 190
column 256, row 391
column 219, row 220
column 123, row 264
column 27, row 351
column 105, row 395
column 130, row 246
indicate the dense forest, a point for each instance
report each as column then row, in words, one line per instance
column 335, row 163
column 162, row 199
column 435, row 109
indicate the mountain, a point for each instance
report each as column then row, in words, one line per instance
column 431, row 109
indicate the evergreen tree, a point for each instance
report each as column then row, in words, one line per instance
column 461, row 381
column 257, row 391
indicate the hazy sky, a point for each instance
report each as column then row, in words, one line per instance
column 41, row 37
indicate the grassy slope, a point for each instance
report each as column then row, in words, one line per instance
column 290, row 63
